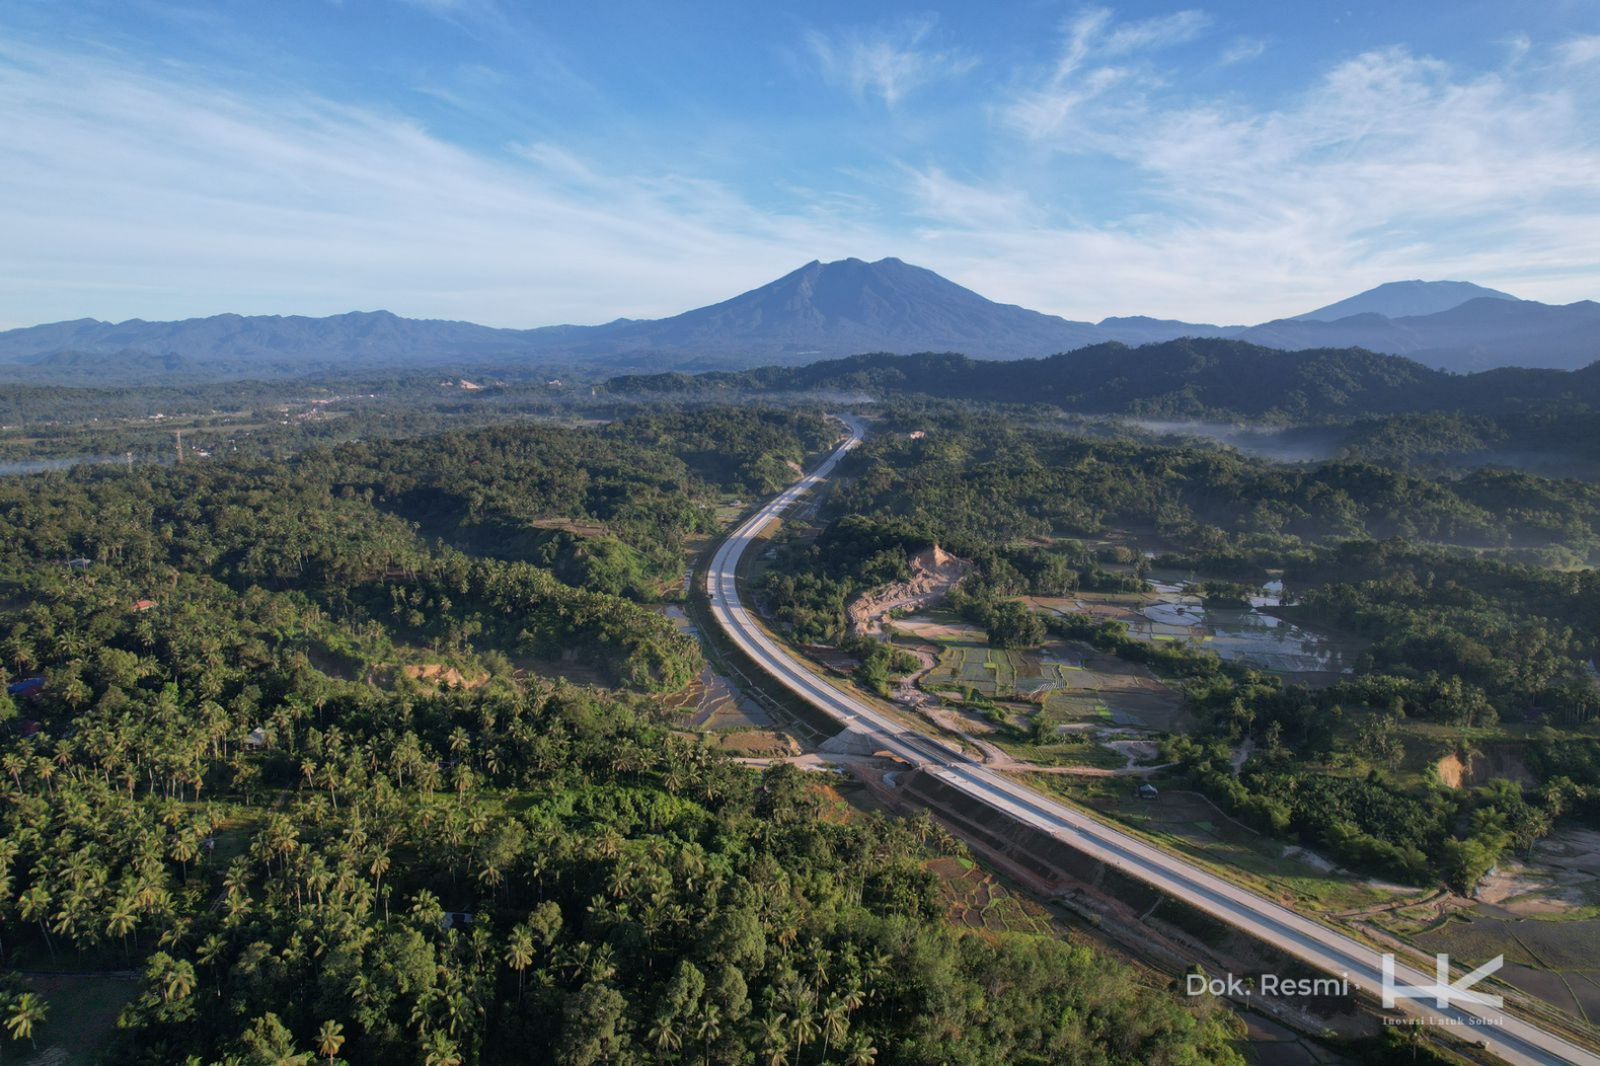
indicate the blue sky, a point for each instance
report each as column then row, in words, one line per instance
column 523, row 164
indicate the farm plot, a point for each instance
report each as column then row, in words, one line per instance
column 976, row 901
column 1251, row 635
column 1555, row 959
column 1072, row 685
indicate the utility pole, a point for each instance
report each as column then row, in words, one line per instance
column 179, row 434
column 128, row 458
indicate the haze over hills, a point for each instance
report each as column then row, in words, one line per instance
column 820, row 311
column 1191, row 377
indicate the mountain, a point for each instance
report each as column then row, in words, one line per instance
column 820, row 311
column 1481, row 333
column 849, row 306
column 1404, row 299
column 1189, row 378
column 264, row 341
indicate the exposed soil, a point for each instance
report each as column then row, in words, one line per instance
column 934, row 573
column 1478, row 768
column 442, row 676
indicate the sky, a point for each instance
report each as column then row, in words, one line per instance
column 522, row 164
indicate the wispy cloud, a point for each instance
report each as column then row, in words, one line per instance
column 888, row 62
column 1580, row 50
column 1242, row 50
column 1389, row 165
column 1153, row 33
column 1098, row 53
column 150, row 191
column 1097, row 181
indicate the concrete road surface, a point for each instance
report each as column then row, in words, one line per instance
column 1511, row 1038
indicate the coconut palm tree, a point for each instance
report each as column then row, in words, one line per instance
column 519, row 953
column 27, row 1012
column 835, row 1022
column 330, row 1038
column 861, row 1052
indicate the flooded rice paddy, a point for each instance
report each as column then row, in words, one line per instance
column 1251, row 635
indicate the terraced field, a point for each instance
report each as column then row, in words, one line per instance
column 1072, row 684
column 977, row 901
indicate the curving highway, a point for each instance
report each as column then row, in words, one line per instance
column 1498, row 1031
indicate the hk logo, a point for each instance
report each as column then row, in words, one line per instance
column 1443, row 991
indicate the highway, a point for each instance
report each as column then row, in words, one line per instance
column 1500, row 1032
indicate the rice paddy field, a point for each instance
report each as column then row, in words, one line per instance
column 712, row 703
column 1250, row 635
column 1556, row 960
column 1541, row 911
column 1075, row 685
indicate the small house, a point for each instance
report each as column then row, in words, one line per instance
column 256, row 740
column 1147, row 791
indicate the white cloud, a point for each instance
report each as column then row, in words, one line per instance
column 126, row 192
column 888, row 62
column 1580, row 50
column 1390, row 165
column 1155, row 33
column 1242, row 50
column 1083, row 73
column 141, row 189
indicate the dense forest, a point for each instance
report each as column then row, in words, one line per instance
column 1022, row 500
column 286, row 740
column 1189, row 378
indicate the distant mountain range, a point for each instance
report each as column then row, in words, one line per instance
column 820, row 311
column 1404, row 299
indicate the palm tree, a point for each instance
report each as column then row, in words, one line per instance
column 440, row 1050
column 519, row 953
column 35, row 906
column 121, row 922
column 27, row 1012
column 179, row 983
column 664, row 1035
column 861, row 1053
column 835, row 1022
column 775, row 1039
column 330, row 1038
column 710, row 1027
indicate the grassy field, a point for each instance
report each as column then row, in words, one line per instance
column 1189, row 823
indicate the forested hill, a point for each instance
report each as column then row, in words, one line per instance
column 1189, row 377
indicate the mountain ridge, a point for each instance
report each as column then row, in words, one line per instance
column 1190, row 378
column 1404, row 299
column 818, row 311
